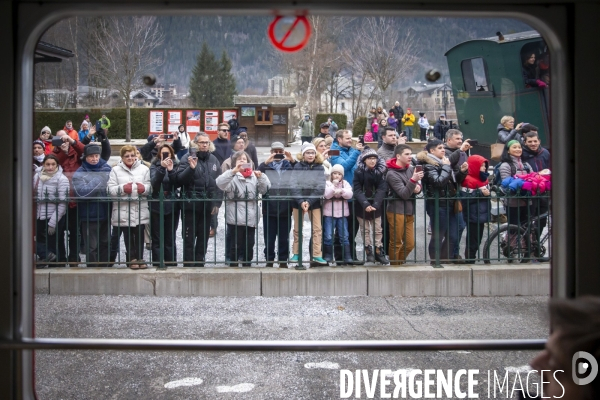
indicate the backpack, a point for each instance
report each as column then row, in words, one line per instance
column 497, row 181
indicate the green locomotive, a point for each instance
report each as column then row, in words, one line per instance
column 488, row 83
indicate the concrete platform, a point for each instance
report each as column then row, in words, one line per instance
column 208, row 282
column 322, row 281
column 508, row 280
column 411, row 281
column 420, row 281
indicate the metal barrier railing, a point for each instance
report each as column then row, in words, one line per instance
column 173, row 229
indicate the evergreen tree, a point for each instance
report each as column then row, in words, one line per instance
column 204, row 87
column 226, row 82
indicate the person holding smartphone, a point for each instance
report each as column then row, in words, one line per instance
column 404, row 183
column 242, row 186
column 163, row 179
column 277, row 204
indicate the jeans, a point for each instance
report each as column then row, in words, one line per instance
column 306, row 139
column 95, row 236
column 474, row 236
column 408, row 132
column 461, row 228
column 445, row 236
column 168, row 239
column 423, row 134
column 276, row 229
column 341, row 225
column 352, row 231
column 242, row 247
column 196, row 225
column 181, row 153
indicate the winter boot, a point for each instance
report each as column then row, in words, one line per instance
column 328, row 253
column 369, row 253
column 381, row 257
column 348, row 256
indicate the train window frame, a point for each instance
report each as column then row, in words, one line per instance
column 44, row 17
column 468, row 76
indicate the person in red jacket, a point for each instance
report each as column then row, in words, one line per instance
column 73, row 134
column 69, row 158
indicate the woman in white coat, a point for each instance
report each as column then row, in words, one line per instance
column 129, row 184
column 241, row 186
column 51, row 189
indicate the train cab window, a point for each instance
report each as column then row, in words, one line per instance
column 263, row 116
column 475, row 75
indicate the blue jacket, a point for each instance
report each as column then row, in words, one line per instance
column 83, row 133
column 91, row 181
column 347, row 159
column 476, row 207
column 538, row 160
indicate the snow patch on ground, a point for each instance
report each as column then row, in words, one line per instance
column 183, row 382
column 241, row 388
column 324, row 365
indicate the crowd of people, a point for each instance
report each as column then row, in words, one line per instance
column 342, row 187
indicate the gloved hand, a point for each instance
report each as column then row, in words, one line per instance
column 127, row 188
column 140, row 188
column 51, row 230
column 540, row 83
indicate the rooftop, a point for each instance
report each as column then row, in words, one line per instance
column 242, row 100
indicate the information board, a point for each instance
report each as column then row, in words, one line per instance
column 211, row 121
column 228, row 114
column 193, row 121
column 156, row 121
column 174, row 120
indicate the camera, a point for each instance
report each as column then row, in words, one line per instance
column 279, row 156
column 57, row 141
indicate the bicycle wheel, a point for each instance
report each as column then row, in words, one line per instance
column 508, row 243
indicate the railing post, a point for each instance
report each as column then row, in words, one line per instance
column 161, row 250
column 300, row 221
column 436, row 230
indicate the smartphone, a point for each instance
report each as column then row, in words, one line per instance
column 246, row 166
column 279, row 156
column 419, row 168
column 403, row 133
column 57, row 141
column 169, row 136
column 164, row 155
column 472, row 142
column 193, row 152
column 334, row 152
column 361, row 139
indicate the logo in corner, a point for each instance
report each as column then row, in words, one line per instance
column 581, row 368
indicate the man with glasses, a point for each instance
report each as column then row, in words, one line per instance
column 196, row 174
column 222, row 145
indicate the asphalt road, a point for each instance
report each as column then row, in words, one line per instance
column 269, row 375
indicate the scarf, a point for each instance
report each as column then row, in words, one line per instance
column 203, row 155
column 277, row 165
column 392, row 164
column 434, row 158
column 246, row 173
column 46, row 176
column 39, row 158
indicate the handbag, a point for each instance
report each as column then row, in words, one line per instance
column 496, row 150
column 457, row 206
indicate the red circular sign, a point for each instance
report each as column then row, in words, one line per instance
column 280, row 43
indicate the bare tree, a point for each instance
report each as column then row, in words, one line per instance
column 384, row 51
column 125, row 52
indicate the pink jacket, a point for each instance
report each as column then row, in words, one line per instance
column 337, row 205
column 536, row 183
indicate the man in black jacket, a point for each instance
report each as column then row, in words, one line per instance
column 456, row 151
column 196, row 176
column 277, row 214
column 222, row 145
column 440, row 128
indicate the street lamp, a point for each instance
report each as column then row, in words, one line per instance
column 444, row 100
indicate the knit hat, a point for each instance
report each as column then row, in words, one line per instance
column 46, row 129
column 277, row 146
column 308, row 146
column 90, row 149
column 511, row 143
column 324, row 125
column 37, row 141
column 367, row 153
column 337, row 168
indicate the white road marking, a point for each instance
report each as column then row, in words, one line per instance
column 522, row 368
column 324, row 365
column 183, row 382
column 241, row 388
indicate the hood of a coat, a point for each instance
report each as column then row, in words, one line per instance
column 475, row 162
column 501, row 127
column 423, row 159
column 102, row 165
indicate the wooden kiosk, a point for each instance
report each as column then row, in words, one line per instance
column 266, row 117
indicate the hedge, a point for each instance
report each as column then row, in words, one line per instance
column 360, row 126
column 340, row 119
column 139, row 119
